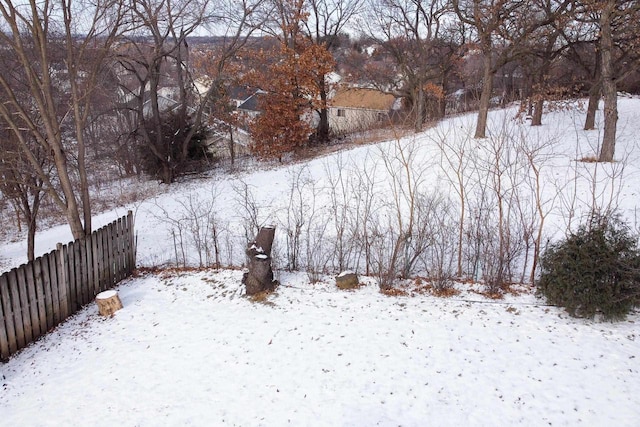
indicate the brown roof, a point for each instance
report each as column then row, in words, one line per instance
column 369, row 99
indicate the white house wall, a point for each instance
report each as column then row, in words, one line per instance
column 354, row 119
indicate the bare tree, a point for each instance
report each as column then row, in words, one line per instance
column 618, row 21
column 603, row 41
column 156, row 56
column 609, row 91
column 415, row 36
column 21, row 185
column 502, row 27
column 59, row 70
column 235, row 22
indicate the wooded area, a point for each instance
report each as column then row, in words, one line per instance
column 145, row 87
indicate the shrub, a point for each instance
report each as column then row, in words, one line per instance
column 157, row 153
column 595, row 270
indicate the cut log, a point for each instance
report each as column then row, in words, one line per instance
column 108, row 303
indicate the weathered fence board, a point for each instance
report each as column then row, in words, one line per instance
column 86, row 292
column 37, row 296
column 16, row 309
column 48, row 294
column 8, row 333
column 89, row 267
column 33, row 300
column 104, row 265
column 53, row 282
column 25, row 304
column 110, row 248
column 40, row 297
column 60, row 276
column 76, row 272
column 95, row 275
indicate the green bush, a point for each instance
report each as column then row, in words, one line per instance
column 596, row 270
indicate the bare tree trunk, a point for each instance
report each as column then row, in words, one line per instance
column 322, row 132
column 609, row 91
column 536, row 118
column 31, row 239
column 592, row 107
column 167, row 176
column 419, row 108
column 71, row 206
column 485, row 97
column 594, row 92
column 232, row 148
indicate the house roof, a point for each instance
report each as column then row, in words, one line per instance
column 240, row 92
column 368, row 99
column 252, row 103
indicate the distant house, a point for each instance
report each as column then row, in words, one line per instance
column 129, row 103
column 355, row 109
column 239, row 94
column 250, row 108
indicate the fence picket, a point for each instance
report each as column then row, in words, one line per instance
column 39, row 295
column 11, row 345
column 95, row 276
column 104, row 265
column 60, row 257
column 16, row 309
column 130, row 244
column 110, row 262
column 25, row 304
column 82, row 276
column 33, row 300
column 77, row 272
column 53, row 318
column 118, row 245
column 125, row 245
column 53, row 282
column 71, row 278
column 88, row 267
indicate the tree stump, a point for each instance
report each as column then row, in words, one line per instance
column 259, row 278
column 108, row 302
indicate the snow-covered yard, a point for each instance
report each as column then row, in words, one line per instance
column 189, row 349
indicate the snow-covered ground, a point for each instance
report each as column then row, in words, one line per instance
column 189, row 349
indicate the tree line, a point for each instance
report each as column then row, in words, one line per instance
column 125, row 85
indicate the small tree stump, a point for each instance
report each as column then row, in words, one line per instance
column 347, row 280
column 108, row 302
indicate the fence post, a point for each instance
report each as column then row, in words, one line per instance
column 63, row 284
column 132, row 243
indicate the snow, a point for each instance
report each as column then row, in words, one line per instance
column 256, row 248
column 191, row 350
column 188, row 348
column 346, row 273
column 107, row 294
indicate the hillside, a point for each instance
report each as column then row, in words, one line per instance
column 189, row 349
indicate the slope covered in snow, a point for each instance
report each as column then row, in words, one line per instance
column 189, row 349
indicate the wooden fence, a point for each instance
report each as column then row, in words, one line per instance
column 36, row 297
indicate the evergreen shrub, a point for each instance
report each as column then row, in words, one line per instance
column 594, row 271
